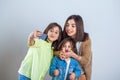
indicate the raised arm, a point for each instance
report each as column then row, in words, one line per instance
column 33, row 35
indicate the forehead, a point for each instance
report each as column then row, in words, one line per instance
column 67, row 43
column 55, row 28
column 71, row 21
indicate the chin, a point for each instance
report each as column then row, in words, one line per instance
column 52, row 40
column 69, row 35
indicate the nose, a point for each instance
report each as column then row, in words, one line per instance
column 69, row 27
column 66, row 48
column 53, row 33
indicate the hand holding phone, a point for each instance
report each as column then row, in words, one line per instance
column 43, row 37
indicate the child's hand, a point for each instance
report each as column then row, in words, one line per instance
column 61, row 55
column 72, row 76
column 56, row 72
column 37, row 33
column 33, row 35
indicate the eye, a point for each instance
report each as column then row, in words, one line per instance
column 51, row 30
column 67, row 25
column 73, row 26
column 64, row 46
column 69, row 46
column 56, row 32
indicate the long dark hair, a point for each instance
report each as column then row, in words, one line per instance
column 80, row 34
column 50, row 26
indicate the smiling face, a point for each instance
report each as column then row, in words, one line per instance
column 70, row 28
column 53, row 33
column 67, row 47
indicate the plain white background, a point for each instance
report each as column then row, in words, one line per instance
column 101, row 19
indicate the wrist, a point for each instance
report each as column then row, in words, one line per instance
column 77, row 57
column 31, row 36
column 80, row 58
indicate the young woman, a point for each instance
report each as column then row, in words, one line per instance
column 74, row 28
column 37, row 61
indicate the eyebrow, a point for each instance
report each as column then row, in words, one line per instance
column 72, row 23
column 55, row 30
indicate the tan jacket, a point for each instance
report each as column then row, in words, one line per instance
column 86, row 60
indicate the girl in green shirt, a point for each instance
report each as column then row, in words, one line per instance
column 37, row 61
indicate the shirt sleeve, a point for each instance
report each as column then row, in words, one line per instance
column 38, row 43
column 53, row 66
column 77, row 69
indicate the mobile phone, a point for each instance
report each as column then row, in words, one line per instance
column 43, row 37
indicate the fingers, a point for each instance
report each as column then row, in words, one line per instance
column 61, row 55
column 37, row 33
column 72, row 76
column 56, row 72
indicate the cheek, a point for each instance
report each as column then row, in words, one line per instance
column 48, row 34
column 75, row 30
column 63, row 49
column 70, row 49
column 57, row 36
column 66, row 29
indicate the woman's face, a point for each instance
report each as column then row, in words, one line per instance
column 53, row 33
column 70, row 28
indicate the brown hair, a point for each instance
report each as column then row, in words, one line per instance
column 65, row 41
column 80, row 35
column 50, row 26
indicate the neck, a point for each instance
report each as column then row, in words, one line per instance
column 73, row 37
column 67, row 58
column 49, row 41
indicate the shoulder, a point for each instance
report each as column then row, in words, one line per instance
column 74, row 60
column 56, row 58
column 38, row 41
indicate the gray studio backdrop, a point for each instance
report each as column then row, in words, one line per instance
column 101, row 19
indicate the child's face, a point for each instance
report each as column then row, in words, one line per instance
column 53, row 33
column 67, row 47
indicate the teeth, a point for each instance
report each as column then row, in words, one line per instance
column 69, row 31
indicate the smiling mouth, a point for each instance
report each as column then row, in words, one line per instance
column 69, row 32
column 52, row 36
column 66, row 51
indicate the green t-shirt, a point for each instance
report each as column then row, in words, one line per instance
column 37, row 61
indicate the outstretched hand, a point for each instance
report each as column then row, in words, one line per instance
column 37, row 33
column 33, row 35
